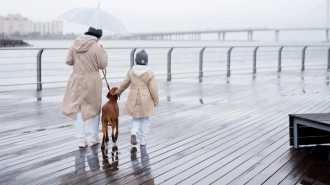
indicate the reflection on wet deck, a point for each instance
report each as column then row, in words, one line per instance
column 217, row 130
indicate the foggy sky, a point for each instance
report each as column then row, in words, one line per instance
column 181, row 15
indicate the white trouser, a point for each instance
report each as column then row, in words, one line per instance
column 80, row 125
column 145, row 127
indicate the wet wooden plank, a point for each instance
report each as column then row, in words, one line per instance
column 214, row 176
column 235, row 106
column 324, row 178
column 179, row 170
column 267, row 172
column 300, row 170
column 313, row 173
column 253, row 170
column 287, row 168
column 56, row 155
column 192, row 173
column 188, row 156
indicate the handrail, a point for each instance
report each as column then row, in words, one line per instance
column 228, row 61
column 279, row 68
column 169, row 64
column 303, row 58
column 39, row 84
column 169, row 57
column 201, row 62
column 150, row 47
column 255, row 59
column 132, row 57
column 329, row 59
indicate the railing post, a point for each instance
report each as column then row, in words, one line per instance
column 255, row 60
column 303, row 59
column 228, row 61
column 329, row 59
column 39, row 84
column 280, row 59
column 169, row 64
column 201, row 62
column 132, row 57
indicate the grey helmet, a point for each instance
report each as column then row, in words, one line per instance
column 141, row 58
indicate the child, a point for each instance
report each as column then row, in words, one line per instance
column 142, row 98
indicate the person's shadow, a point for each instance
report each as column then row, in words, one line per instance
column 142, row 170
column 92, row 159
column 94, row 162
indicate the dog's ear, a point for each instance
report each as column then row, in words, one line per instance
column 108, row 95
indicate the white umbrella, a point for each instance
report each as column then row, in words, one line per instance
column 96, row 18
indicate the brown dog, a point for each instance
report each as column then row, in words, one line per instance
column 110, row 114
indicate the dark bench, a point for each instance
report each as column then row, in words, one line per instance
column 306, row 129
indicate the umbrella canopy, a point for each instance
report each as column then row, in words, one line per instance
column 96, row 18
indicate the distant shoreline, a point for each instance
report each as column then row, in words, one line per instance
column 13, row 43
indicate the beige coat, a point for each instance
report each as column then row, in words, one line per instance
column 142, row 100
column 84, row 87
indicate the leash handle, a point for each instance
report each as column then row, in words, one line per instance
column 105, row 78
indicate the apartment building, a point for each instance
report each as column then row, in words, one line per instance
column 16, row 23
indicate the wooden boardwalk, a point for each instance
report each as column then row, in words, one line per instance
column 219, row 131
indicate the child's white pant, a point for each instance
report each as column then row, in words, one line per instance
column 145, row 127
column 92, row 125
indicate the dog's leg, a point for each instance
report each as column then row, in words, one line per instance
column 104, row 133
column 107, row 136
column 113, row 133
column 117, row 129
column 103, row 141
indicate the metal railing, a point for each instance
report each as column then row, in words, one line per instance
column 201, row 58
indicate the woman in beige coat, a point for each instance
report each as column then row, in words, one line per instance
column 142, row 98
column 83, row 95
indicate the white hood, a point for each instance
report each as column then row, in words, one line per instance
column 139, row 70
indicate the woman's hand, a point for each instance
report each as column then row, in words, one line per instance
column 116, row 93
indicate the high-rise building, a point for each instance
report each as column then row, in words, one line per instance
column 41, row 29
column 32, row 27
column 37, row 27
column 47, row 28
column 6, row 26
column 16, row 24
column 57, row 27
column 25, row 26
column 1, row 24
column 60, row 27
column 54, row 27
